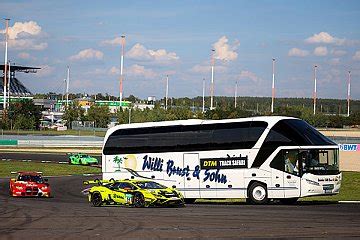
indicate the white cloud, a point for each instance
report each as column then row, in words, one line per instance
column 134, row 71
column 324, row 37
column 249, row 75
column 114, row 71
column 24, row 55
column 224, row 51
column 88, row 54
column 28, row 44
column 140, row 71
column 296, row 52
column 334, row 61
column 23, row 28
column 45, row 70
column 113, row 42
column 338, row 53
column 25, row 35
column 320, row 51
column 140, row 52
column 206, row 69
column 357, row 56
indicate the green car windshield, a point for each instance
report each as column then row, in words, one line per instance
column 149, row 185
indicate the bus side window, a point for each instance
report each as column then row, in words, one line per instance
column 278, row 161
column 291, row 162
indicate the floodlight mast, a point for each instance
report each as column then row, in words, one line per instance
column 315, row 68
column 8, row 84
column 348, row 94
column 212, row 79
column 273, row 86
column 166, row 91
column 122, row 68
column 6, row 61
column 67, row 86
column 235, row 93
column 203, row 96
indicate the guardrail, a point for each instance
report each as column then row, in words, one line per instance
column 8, row 142
column 58, row 143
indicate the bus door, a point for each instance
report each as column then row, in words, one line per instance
column 285, row 177
column 191, row 182
column 292, row 179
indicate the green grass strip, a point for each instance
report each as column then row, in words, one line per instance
column 48, row 169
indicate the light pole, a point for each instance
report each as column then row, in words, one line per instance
column 166, row 91
column 203, row 96
column 122, row 68
column 8, row 84
column 212, row 79
column 6, row 60
column 348, row 94
column 273, row 86
column 67, row 86
column 235, row 93
column 315, row 68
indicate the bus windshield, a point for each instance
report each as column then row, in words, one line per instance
column 315, row 161
column 320, row 161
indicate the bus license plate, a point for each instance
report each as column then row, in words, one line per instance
column 328, row 188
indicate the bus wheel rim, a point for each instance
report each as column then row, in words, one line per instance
column 259, row 193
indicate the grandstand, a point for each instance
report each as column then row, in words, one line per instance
column 17, row 89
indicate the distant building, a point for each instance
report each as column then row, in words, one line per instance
column 113, row 105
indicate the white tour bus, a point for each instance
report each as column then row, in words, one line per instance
column 259, row 158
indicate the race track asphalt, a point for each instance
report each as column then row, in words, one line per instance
column 68, row 215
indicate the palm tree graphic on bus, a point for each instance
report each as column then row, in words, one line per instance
column 118, row 160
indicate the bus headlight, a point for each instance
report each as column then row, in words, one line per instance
column 312, row 182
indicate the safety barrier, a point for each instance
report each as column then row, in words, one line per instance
column 8, row 142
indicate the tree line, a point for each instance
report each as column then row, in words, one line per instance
column 25, row 115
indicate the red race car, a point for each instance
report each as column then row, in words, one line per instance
column 29, row 184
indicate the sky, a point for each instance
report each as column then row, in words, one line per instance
column 176, row 38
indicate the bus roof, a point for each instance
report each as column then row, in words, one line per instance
column 271, row 120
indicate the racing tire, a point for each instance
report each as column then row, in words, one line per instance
column 189, row 200
column 288, row 201
column 139, row 200
column 257, row 194
column 96, row 199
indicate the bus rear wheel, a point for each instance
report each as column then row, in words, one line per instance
column 257, row 194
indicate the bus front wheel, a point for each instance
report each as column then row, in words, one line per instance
column 257, row 193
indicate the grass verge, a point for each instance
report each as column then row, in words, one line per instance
column 48, row 169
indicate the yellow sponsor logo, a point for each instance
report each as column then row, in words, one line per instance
column 210, row 163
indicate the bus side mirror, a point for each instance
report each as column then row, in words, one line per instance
column 173, row 186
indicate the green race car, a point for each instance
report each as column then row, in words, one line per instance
column 81, row 159
column 136, row 193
